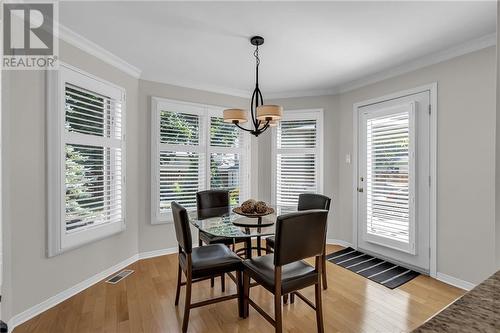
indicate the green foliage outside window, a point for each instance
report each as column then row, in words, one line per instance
column 84, row 165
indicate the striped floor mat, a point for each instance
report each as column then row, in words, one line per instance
column 378, row 270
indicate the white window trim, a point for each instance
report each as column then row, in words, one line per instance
column 303, row 114
column 58, row 241
column 204, row 112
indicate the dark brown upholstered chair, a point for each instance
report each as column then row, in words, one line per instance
column 284, row 271
column 212, row 203
column 201, row 263
column 308, row 201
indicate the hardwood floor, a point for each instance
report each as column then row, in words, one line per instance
column 144, row 302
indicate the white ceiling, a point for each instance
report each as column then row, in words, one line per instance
column 309, row 46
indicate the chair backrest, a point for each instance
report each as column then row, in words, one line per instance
column 299, row 235
column 212, row 203
column 181, row 225
column 313, row 201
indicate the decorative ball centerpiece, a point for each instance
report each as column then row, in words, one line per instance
column 255, row 208
column 260, row 207
column 248, row 207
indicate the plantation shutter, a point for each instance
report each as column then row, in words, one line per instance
column 224, row 134
column 180, row 159
column 297, row 134
column 390, row 159
column 297, row 158
column 226, row 147
column 194, row 151
column 93, row 163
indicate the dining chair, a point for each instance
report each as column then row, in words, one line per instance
column 201, row 263
column 213, row 203
column 285, row 272
column 308, row 201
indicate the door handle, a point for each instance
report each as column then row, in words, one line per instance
column 360, row 189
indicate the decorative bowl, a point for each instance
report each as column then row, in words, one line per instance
column 238, row 211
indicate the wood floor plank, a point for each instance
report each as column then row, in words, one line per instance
column 144, row 303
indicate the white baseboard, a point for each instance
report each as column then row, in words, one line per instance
column 338, row 242
column 157, row 253
column 454, row 281
column 20, row 318
column 440, row 276
column 35, row 310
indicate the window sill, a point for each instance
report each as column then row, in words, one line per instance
column 68, row 242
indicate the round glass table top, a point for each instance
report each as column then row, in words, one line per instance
column 223, row 222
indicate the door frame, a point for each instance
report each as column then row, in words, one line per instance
column 432, row 89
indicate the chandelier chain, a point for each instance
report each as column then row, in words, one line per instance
column 256, row 55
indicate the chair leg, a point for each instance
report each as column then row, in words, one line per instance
column 319, row 308
column 177, row 292
column 292, row 298
column 317, row 294
column 187, row 305
column 323, row 273
column 285, row 298
column 223, row 282
column 277, row 312
column 246, row 294
column 268, row 249
column 239, row 290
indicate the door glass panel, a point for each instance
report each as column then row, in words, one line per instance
column 388, row 177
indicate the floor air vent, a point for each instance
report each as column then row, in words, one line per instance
column 119, row 276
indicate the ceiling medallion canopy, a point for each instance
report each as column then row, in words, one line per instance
column 263, row 116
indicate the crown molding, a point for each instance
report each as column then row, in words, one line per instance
column 199, row 86
column 434, row 58
column 99, row 52
column 303, row 93
column 425, row 61
column 90, row 47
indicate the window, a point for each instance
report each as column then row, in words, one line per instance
column 86, row 161
column 297, row 156
column 194, row 150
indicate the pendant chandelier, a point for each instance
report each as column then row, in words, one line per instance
column 263, row 116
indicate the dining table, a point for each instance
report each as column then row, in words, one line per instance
column 225, row 222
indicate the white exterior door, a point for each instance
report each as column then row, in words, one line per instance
column 394, row 179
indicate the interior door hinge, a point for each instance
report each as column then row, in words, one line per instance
column 429, row 180
column 430, row 109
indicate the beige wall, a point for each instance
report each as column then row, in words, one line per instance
column 466, row 158
column 162, row 236
column 31, row 277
